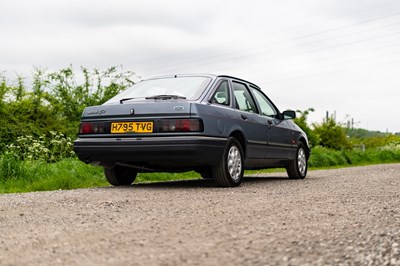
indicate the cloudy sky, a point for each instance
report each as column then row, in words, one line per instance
column 341, row 56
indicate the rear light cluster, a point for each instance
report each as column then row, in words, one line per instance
column 180, row 125
column 94, row 128
column 160, row 126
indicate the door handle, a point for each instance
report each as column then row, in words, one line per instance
column 244, row 117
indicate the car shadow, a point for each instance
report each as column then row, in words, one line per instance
column 201, row 183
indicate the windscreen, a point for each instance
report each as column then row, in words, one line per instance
column 183, row 87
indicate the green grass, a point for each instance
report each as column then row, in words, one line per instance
column 40, row 176
column 323, row 157
column 17, row 176
column 152, row 177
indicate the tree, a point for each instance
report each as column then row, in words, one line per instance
column 331, row 135
column 71, row 97
column 54, row 101
column 301, row 121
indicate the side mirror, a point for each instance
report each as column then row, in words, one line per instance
column 289, row 114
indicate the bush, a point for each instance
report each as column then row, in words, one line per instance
column 331, row 135
column 393, row 145
column 52, row 148
column 324, row 157
column 54, row 101
column 301, row 121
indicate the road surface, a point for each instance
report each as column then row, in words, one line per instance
column 345, row 216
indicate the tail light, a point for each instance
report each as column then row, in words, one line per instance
column 94, row 128
column 163, row 125
column 180, row 125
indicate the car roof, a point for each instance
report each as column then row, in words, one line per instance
column 232, row 77
column 213, row 76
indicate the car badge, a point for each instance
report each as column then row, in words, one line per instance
column 96, row 112
column 179, row 108
column 132, row 111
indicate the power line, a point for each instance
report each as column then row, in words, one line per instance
column 316, row 66
column 375, row 7
column 189, row 62
column 346, row 63
column 309, row 52
column 334, row 71
column 298, row 45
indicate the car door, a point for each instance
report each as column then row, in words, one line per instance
column 279, row 134
column 249, row 121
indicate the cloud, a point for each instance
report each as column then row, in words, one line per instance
column 331, row 55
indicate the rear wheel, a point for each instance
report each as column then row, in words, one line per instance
column 297, row 169
column 120, row 175
column 229, row 171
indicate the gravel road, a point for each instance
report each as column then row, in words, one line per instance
column 346, row 216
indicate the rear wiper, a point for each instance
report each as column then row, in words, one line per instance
column 127, row 99
column 165, row 97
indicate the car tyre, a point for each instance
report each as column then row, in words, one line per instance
column 297, row 169
column 229, row 171
column 120, row 175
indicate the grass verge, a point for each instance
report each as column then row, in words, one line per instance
column 323, row 157
column 40, row 176
column 27, row 176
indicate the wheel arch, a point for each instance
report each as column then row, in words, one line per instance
column 242, row 140
column 308, row 150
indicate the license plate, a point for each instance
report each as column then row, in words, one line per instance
column 132, row 127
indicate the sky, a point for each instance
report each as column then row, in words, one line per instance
column 336, row 56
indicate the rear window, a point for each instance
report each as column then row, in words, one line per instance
column 188, row 87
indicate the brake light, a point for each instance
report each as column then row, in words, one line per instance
column 93, row 128
column 181, row 125
column 85, row 128
column 164, row 125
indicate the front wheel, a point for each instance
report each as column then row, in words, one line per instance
column 229, row 171
column 120, row 175
column 297, row 169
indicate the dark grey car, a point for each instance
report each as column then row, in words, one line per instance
column 215, row 125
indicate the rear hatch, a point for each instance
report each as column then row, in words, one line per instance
column 139, row 117
column 138, row 110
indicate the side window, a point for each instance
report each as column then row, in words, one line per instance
column 221, row 95
column 266, row 106
column 243, row 99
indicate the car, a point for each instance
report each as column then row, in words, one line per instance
column 216, row 125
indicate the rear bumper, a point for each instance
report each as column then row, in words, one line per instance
column 172, row 152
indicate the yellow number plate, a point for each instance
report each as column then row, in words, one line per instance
column 132, row 127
